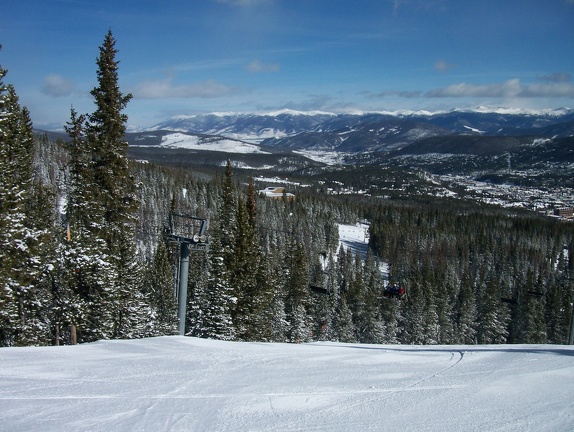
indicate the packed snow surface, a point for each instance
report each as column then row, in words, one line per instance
column 176, row 383
column 354, row 237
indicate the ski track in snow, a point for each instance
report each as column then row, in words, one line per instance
column 185, row 384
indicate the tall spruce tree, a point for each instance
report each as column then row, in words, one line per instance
column 217, row 301
column 244, row 269
column 227, row 216
column 23, row 230
column 249, row 279
column 101, row 207
column 83, row 271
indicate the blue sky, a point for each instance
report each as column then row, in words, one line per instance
column 196, row 56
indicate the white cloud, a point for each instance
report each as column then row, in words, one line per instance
column 555, row 89
column 555, row 86
column 512, row 88
column 256, row 67
column 162, row 89
column 57, row 86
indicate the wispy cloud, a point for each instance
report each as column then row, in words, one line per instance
column 556, row 76
column 258, row 67
column 165, row 89
column 315, row 102
column 394, row 93
column 554, row 90
column 512, row 88
column 443, row 66
column 416, row 4
column 508, row 89
column 57, row 86
column 244, row 3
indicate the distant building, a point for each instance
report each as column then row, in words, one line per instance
column 277, row 193
column 564, row 212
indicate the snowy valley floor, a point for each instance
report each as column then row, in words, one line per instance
column 187, row 384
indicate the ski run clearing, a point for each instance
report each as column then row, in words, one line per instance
column 356, row 239
column 176, row 383
column 192, row 142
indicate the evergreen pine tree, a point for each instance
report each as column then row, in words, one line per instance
column 344, row 321
column 355, row 294
column 250, row 278
column 69, row 307
column 446, row 303
column 217, row 301
column 533, row 306
column 263, row 311
column 160, row 292
column 117, row 193
column 466, row 312
column 329, row 331
column 430, row 315
column 373, row 331
column 298, row 301
column 277, row 275
column 23, row 230
column 244, row 272
column 558, row 303
column 415, row 321
column 492, row 328
column 227, row 216
column 391, row 316
column 101, row 209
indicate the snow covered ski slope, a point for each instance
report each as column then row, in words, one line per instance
column 187, row 384
column 355, row 238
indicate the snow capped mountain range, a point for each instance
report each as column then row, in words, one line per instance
column 356, row 132
column 247, row 127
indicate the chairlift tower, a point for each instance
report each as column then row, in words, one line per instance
column 189, row 232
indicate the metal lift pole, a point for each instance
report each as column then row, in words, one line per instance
column 189, row 233
column 182, row 295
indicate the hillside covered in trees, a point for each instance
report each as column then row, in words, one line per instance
column 84, row 257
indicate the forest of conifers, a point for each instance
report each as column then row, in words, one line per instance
column 83, row 256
